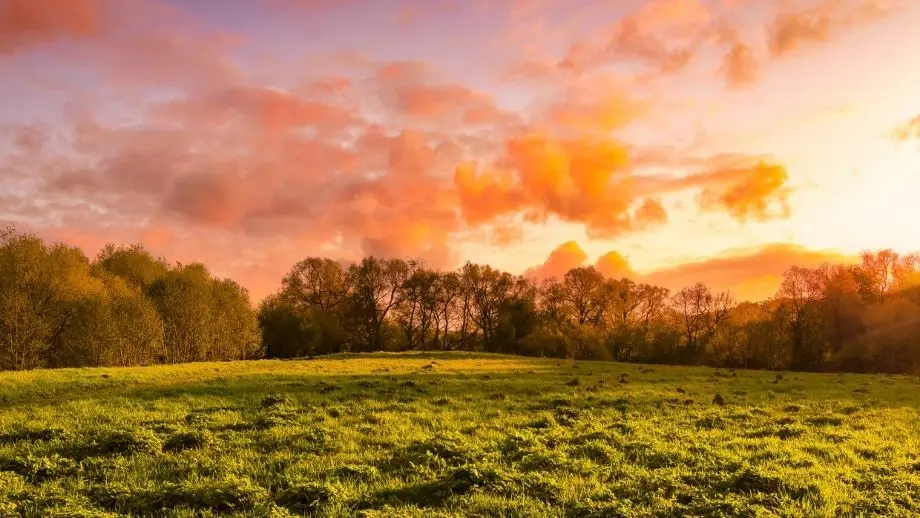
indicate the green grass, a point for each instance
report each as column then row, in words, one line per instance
column 455, row 435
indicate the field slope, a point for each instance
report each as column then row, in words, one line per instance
column 456, row 435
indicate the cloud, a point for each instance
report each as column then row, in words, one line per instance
column 614, row 266
column 792, row 29
column 747, row 191
column 594, row 105
column 661, row 35
column 910, row 130
column 202, row 158
column 739, row 65
column 569, row 255
column 747, row 188
column 580, row 181
column 29, row 23
column 650, row 213
column 753, row 274
column 750, row 274
column 261, row 162
column 565, row 257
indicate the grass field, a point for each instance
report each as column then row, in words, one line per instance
column 456, row 435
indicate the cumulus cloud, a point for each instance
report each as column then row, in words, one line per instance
column 583, row 181
column 613, row 265
column 566, row 256
column 570, row 255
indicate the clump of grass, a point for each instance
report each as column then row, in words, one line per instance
column 37, row 469
column 307, row 497
column 193, row 439
column 119, row 442
column 230, row 494
column 825, row 420
column 33, row 435
column 574, row 382
column 273, row 400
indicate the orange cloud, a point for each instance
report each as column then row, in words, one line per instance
column 593, row 106
column 27, row 23
column 235, row 160
column 753, row 274
column 506, row 234
column 569, row 255
column 747, row 191
column 744, row 187
column 791, row 29
column 581, row 181
column 565, row 257
column 740, row 66
column 614, row 266
column 911, row 130
column 673, row 13
column 651, row 212
column 662, row 35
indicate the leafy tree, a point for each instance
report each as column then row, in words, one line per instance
column 134, row 264
column 374, row 290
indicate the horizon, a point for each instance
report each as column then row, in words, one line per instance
column 720, row 141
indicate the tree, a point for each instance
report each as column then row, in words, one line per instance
column 111, row 323
column 876, row 274
column 133, row 263
column 489, row 291
column 418, row 308
column 551, row 298
column 375, row 289
column 315, row 283
column 801, row 291
column 204, row 318
column 702, row 314
column 235, row 331
column 39, row 287
column 289, row 331
column 582, row 287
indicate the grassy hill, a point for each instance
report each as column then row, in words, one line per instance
column 455, row 435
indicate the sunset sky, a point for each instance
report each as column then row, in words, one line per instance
column 668, row 140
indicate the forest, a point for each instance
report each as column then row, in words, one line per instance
column 58, row 308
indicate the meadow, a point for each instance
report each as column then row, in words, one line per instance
column 456, row 434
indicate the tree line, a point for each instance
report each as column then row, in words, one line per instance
column 125, row 307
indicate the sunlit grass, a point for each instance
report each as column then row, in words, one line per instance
column 456, row 435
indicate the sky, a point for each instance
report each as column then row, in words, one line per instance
column 670, row 141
